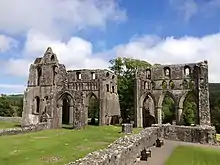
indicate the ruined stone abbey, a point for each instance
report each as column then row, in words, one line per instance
column 151, row 86
column 57, row 96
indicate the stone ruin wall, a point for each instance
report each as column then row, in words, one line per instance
column 202, row 134
column 125, row 150
column 148, row 83
column 100, row 83
column 10, row 119
column 23, row 130
column 49, row 83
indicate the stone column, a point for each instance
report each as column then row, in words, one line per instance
column 60, row 116
column 179, row 116
column 127, row 128
column 159, row 115
column 71, row 115
column 86, row 114
column 140, row 117
column 203, row 86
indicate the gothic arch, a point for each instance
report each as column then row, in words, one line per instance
column 170, row 94
column 65, row 108
column 148, row 110
column 143, row 97
column 89, row 96
column 92, row 109
column 62, row 95
column 182, row 99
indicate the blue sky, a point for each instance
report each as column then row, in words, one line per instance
column 86, row 34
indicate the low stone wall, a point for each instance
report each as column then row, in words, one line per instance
column 195, row 134
column 125, row 150
column 10, row 119
column 22, row 130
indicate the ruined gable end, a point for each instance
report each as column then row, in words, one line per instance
column 49, row 56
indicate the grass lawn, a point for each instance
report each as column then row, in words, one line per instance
column 55, row 146
column 189, row 155
column 7, row 124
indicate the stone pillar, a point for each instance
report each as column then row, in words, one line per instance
column 127, row 128
column 137, row 109
column 203, row 86
column 60, row 116
column 86, row 114
column 102, row 103
column 138, row 117
column 179, row 116
column 159, row 115
column 71, row 115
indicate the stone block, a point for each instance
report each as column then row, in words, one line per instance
column 127, row 128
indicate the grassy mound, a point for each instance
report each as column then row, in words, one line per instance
column 190, row 155
column 55, row 146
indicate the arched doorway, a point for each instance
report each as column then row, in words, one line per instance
column 168, row 108
column 66, row 111
column 148, row 111
column 93, row 110
column 190, row 109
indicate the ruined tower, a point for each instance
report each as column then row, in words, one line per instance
column 54, row 94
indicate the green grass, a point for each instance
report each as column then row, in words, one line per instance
column 56, row 146
column 189, row 155
column 7, row 124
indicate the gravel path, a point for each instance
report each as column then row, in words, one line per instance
column 160, row 155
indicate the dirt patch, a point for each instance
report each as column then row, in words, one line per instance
column 82, row 148
column 100, row 143
column 50, row 159
column 40, row 137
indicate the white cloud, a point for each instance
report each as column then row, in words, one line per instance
column 57, row 16
column 75, row 54
column 12, row 88
column 16, row 86
column 189, row 8
column 6, row 43
column 175, row 51
column 78, row 53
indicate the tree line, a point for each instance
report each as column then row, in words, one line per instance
column 125, row 69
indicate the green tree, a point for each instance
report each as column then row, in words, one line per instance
column 20, row 107
column 168, row 110
column 6, row 109
column 125, row 69
column 190, row 109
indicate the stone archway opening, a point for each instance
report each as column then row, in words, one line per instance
column 190, row 109
column 148, row 111
column 168, row 109
column 66, row 111
column 93, row 110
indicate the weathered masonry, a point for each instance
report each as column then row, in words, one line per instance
column 151, row 86
column 57, row 96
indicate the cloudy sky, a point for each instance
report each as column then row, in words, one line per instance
column 87, row 33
